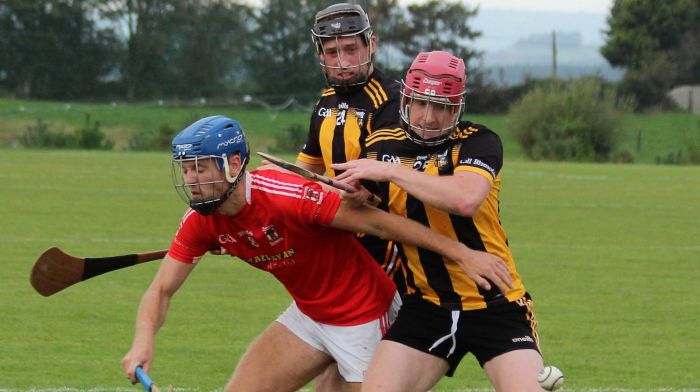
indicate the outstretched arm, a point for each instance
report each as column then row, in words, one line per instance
column 461, row 193
column 478, row 265
column 152, row 312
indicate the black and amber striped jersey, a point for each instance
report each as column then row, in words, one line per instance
column 473, row 148
column 341, row 121
column 339, row 125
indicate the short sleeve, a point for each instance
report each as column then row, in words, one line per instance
column 309, row 204
column 318, row 207
column 311, row 152
column 481, row 153
column 191, row 241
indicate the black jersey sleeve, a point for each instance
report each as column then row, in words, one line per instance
column 481, row 149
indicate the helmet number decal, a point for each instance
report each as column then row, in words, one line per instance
column 429, row 91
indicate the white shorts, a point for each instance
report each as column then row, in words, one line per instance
column 351, row 347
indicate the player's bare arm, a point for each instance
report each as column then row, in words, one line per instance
column 478, row 265
column 361, row 197
column 152, row 313
column 459, row 194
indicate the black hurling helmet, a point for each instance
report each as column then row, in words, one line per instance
column 338, row 21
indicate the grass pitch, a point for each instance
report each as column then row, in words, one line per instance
column 610, row 254
column 648, row 138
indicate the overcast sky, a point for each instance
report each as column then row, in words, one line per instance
column 590, row 6
column 503, row 22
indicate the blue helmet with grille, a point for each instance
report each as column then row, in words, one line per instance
column 215, row 136
column 211, row 141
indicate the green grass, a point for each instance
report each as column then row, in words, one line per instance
column 609, row 252
column 656, row 136
column 122, row 121
column 661, row 133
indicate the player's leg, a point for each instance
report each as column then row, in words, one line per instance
column 330, row 380
column 504, row 340
column 515, row 371
column 277, row 360
column 419, row 348
column 398, row 368
column 353, row 347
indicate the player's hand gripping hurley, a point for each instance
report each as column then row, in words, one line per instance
column 146, row 381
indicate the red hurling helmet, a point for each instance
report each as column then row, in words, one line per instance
column 436, row 80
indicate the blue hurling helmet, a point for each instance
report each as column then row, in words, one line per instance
column 214, row 140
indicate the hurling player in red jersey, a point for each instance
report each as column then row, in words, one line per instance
column 303, row 235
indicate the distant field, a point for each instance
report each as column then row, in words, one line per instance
column 609, row 252
column 122, row 121
column 647, row 137
column 650, row 137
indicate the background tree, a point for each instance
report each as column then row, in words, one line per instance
column 639, row 29
column 657, row 43
column 439, row 25
column 148, row 28
column 52, row 48
column 390, row 24
column 204, row 51
column 143, row 49
column 280, row 56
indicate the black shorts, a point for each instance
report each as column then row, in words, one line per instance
column 486, row 333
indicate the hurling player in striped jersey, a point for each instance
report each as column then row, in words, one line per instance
column 302, row 233
column 446, row 174
column 358, row 98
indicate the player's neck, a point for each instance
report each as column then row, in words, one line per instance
column 236, row 201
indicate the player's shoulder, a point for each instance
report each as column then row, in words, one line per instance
column 387, row 83
column 385, row 135
column 467, row 129
column 381, row 89
column 192, row 220
column 270, row 187
column 276, row 181
column 190, row 214
column 328, row 91
column 265, row 178
column 284, row 190
column 325, row 100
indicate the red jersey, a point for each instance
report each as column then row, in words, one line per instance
column 283, row 229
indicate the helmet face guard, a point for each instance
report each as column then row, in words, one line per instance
column 432, row 97
column 433, row 118
column 347, row 26
column 201, row 155
column 207, row 188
